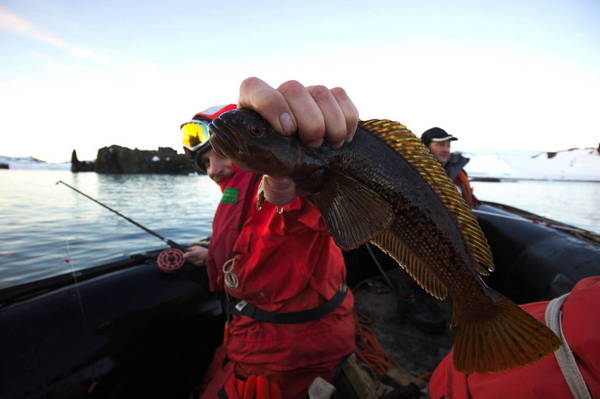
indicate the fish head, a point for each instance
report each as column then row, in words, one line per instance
column 243, row 136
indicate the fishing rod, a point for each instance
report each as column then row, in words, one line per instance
column 170, row 243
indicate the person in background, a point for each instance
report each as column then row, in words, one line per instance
column 290, row 314
column 573, row 371
column 438, row 142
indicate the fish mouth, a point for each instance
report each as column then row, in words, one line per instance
column 225, row 139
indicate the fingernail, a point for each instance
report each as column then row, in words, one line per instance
column 315, row 143
column 287, row 123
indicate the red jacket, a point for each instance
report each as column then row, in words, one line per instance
column 464, row 186
column 284, row 263
column 581, row 327
column 288, row 262
column 238, row 193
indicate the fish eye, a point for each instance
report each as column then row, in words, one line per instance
column 256, row 131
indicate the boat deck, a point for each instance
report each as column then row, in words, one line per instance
column 415, row 349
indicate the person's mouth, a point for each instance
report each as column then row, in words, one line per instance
column 219, row 178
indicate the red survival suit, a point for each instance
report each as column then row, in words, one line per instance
column 464, row 186
column 581, row 328
column 284, row 262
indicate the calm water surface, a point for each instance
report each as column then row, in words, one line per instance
column 44, row 225
column 575, row 203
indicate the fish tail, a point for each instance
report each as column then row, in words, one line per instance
column 510, row 338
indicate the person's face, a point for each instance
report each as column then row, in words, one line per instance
column 217, row 166
column 440, row 151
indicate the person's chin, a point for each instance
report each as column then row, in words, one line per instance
column 220, row 178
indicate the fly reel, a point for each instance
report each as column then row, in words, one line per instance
column 170, row 260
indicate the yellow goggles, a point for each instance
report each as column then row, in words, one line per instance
column 194, row 134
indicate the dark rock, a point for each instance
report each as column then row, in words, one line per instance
column 4, row 166
column 123, row 160
column 81, row 166
column 117, row 159
column 486, row 179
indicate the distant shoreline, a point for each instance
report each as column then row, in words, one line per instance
column 491, row 179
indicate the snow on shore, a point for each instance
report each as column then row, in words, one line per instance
column 573, row 165
column 32, row 163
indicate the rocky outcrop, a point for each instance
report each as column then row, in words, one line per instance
column 122, row 160
column 81, row 166
column 4, row 166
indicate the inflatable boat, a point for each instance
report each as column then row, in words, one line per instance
column 126, row 329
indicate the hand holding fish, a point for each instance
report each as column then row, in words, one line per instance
column 315, row 113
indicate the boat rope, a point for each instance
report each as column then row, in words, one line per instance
column 368, row 349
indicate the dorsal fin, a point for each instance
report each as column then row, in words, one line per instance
column 403, row 141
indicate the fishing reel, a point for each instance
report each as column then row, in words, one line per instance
column 170, row 260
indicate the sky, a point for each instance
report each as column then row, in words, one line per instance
column 507, row 75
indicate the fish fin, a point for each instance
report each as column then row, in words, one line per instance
column 403, row 141
column 418, row 270
column 352, row 211
column 510, row 338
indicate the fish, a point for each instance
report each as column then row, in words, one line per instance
column 385, row 187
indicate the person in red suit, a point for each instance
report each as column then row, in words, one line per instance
column 573, row 371
column 290, row 314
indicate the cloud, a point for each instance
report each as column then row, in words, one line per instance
column 13, row 23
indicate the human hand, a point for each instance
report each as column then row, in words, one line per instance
column 316, row 113
column 196, row 255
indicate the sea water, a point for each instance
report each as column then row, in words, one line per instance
column 48, row 229
column 574, row 203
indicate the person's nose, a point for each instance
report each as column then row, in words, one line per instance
column 216, row 168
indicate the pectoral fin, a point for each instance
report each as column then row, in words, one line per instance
column 353, row 212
